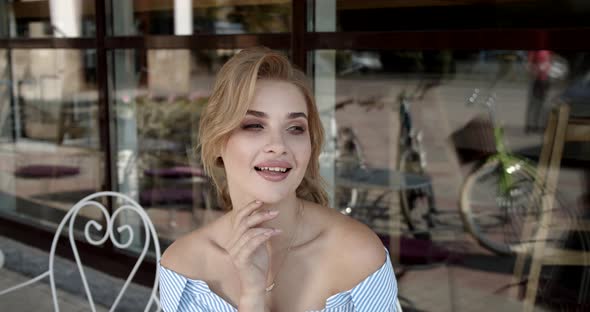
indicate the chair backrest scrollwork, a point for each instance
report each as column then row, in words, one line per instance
column 122, row 203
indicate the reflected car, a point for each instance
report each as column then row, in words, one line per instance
column 364, row 62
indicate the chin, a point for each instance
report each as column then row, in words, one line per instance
column 272, row 194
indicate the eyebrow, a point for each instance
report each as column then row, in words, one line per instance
column 264, row 115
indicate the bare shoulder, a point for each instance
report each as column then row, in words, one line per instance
column 358, row 245
column 184, row 253
column 350, row 247
column 189, row 254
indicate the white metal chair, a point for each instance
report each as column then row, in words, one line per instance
column 124, row 203
column 398, row 306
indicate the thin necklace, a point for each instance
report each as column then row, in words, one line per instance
column 272, row 285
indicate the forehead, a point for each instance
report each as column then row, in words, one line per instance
column 277, row 97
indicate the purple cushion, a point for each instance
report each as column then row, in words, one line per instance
column 418, row 251
column 158, row 196
column 175, row 172
column 46, row 171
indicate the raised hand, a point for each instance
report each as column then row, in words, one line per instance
column 247, row 250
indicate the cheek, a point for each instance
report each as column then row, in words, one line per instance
column 236, row 151
column 303, row 152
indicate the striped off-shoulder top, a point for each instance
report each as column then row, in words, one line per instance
column 377, row 292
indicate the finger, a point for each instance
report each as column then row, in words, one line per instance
column 240, row 226
column 236, row 249
column 244, row 253
column 246, row 211
column 251, row 234
column 252, row 221
column 259, row 217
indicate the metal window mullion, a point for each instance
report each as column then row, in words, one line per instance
column 298, row 30
column 103, row 107
column 481, row 39
column 199, row 41
column 48, row 43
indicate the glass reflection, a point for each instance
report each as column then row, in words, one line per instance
column 353, row 15
column 439, row 152
column 49, row 143
column 47, row 18
column 186, row 17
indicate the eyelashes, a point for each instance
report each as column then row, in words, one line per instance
column 259, row 127
column 297, row 129
column 253, row 126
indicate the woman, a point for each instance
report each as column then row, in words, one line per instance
column 279, row 247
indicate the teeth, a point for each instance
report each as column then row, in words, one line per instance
column 276, row 169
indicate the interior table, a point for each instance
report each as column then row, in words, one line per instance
column 378, row 217
column 380, row 178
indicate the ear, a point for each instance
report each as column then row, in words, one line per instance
column 219, row 161
column 219, row 158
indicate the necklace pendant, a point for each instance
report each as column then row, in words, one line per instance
column 269, row 288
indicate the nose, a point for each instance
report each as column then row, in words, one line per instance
column 276, row 144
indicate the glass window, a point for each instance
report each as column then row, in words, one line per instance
column 376, row 15
column 49, row 142
column 47, row 18
column 186, row 17
column 437, row 152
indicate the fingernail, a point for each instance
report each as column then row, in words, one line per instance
column 258, row 202
column 273, row 212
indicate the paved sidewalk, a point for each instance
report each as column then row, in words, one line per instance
column 23, row 262
column 37, row 297
column 451, row 288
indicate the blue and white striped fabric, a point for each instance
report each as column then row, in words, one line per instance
column 377, row 292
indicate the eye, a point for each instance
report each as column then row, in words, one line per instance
column 252, row 126
column 296, row 129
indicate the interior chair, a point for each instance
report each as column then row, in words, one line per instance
column 561, row 128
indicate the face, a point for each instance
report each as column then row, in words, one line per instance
column 266, row 157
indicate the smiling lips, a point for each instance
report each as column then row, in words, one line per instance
column 273, row 171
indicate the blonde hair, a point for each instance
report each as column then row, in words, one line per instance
column 233, row 91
